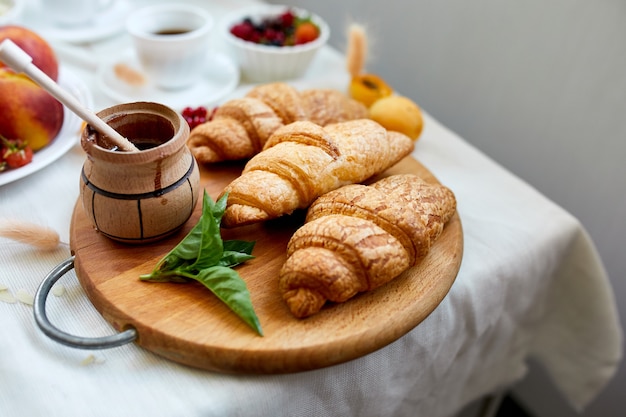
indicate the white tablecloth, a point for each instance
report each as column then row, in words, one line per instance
column 530, row 284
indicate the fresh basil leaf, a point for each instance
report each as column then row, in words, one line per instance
column 211, row 246
column 219, row 208
column 232, row 258
column 188, row 248
column 228, row 286
column 236, row 252
column 178, row 276
column 239, row 246
column 203, row 256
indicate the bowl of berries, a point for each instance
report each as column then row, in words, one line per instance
column 273, row 42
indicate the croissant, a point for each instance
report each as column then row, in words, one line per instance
column 302, row 160
column 240, row 127
column 359, row 237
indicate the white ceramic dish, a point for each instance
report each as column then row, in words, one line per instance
column 220, row 78
column 67, row 137
column 109, row 23
column 11, row 11
column 263, row 63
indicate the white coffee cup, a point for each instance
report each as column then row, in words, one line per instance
column 75, row 12
column 171, row 42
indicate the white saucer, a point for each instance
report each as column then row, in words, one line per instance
column 221, row 77
column 109, row 23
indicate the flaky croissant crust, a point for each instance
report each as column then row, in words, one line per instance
column 240, row 127
column 302, row 161
column 358, row 237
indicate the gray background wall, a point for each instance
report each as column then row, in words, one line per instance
column 538, row 85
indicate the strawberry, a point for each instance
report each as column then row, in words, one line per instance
column 15, row 153
column 306, row 32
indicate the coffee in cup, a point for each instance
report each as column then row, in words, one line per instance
column 171, row 42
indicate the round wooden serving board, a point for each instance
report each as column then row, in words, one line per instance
column 188, row 324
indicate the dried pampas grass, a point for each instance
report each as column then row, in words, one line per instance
column 32, row 234
column 356, row 51
column 358, row 48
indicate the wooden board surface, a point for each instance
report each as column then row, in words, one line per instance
column 188, row 324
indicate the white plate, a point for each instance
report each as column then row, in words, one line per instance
column 221, row 77
column 108, row 23
column 67, row 137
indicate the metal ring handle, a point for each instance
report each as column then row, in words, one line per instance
column 39, row 308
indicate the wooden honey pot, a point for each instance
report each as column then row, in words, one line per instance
column 140, row 196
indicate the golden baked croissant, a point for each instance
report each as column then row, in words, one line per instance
column 302, row 160
column 240, row 127
column 359, row 237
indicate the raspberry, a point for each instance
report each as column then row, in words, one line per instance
column 287, row 18
column 195, row 117
column 243, row 30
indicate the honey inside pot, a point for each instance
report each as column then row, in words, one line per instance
column 138, row 197
column 144, row 130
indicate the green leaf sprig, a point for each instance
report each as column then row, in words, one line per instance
column 204, row 257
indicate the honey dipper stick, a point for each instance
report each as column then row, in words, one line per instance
column 16, row 58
